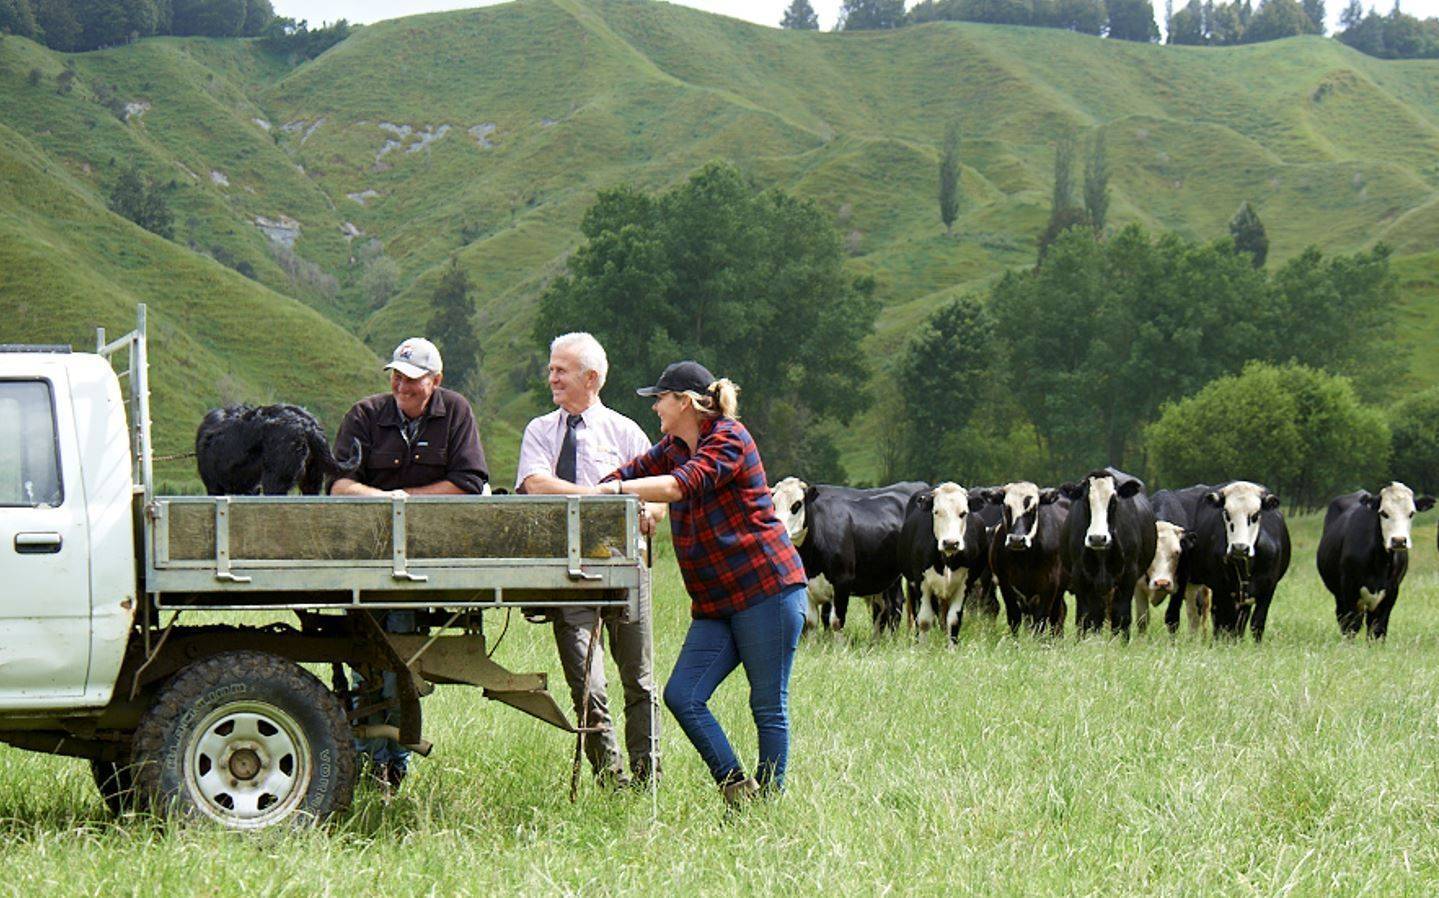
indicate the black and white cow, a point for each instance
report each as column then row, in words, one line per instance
column 1364, row 554
column 1024, row 555
column 848, row 540
column 940, row 551
column 1241, row 554
column 1107, row 545
column 1168, row 574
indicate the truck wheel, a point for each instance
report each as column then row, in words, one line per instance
column 248, row 740
column 116, row 783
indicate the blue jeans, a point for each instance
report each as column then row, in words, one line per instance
column 384, row 751
column 763, row 639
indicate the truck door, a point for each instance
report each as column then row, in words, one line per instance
column 44, row 545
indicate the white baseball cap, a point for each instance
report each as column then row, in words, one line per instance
column 416, row 357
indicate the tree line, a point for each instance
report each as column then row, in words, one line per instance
column 78, row 25
column 1179, row 359
column 1197, row 23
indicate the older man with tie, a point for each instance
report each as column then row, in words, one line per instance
column 579, row 443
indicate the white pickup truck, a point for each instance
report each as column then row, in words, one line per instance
column 101, row 655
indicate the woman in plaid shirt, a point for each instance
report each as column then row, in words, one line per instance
column 744, row 577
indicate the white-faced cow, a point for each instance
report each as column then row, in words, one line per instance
column 848, row 540
column 1168, row 574
column 1107, row 545
column 1364, row 554
column 1025, row 558
column 940, row 552
column 1241, row 553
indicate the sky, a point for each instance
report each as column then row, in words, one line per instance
column 765, row 12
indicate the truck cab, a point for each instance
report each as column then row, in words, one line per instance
column 67, row 543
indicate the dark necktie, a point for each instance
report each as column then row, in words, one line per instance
column 565, row 467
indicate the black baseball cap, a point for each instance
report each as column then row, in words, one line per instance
column 679, row 377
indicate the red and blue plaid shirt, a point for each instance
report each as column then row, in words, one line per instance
column 732, row 549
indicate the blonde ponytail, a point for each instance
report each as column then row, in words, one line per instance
column 720, row 400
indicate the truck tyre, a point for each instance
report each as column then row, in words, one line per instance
column 248, row 740
column 116, row 783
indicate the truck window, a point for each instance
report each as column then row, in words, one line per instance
column 29, row 460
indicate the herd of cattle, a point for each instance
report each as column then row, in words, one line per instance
column 923, row 554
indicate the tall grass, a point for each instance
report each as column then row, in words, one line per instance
column 1305, row 766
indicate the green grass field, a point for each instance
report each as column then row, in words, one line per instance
column 1305, row 766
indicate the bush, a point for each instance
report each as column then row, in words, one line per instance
column 1299, row 431
column 1414, row 422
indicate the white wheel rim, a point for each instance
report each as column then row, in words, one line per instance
column 247, row 765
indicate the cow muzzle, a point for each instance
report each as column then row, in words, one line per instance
column 1399, row 544
column 1240, row 551
column 1016, row 542
column 1161, row 586
column 1098, row 541
column 949, row 546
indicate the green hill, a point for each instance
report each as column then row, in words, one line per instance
column 487, row 132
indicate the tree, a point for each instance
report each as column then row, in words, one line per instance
column 1314, row 9
column 949, row 178
column 258, row 16
column 1277, row 19
column 58, row 21
column 1352, row 15
column 17, row 17
column 1100, row 335
column 1299, row 431
column 1063, row 213
column 1096, row 184
column 1338, row 314
column 749, row 282
column 1414, row 424
column 1084, row 16
column 452, row 327
column 212, row 18
column 1187, row 26
column 800, row 17
column 1226, row 26
column 942, row 375
column 142, row 201
column 107, row 23
column 863, row 15
column 1132, row 20
column 1248, row 233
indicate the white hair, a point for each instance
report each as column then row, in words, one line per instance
column 591, row 353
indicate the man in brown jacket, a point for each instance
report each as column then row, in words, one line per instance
column 418, row 438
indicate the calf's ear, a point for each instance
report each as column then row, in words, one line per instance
column 1423, row 503
column 994, row 497
column 1368, row 499
column 1189, row 540
column 1048, row 497
column 1071, row 491
column 976, row 503
column 1270, row 502
column 1214, row 499
column 1129, row 488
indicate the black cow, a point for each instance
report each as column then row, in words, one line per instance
column 1107, row 545
column 1024, row 555
column 981, row 591
column 1174, row 513
column 848, row 540
column 1241, row 554
column 940, row 555
column 1364, row 554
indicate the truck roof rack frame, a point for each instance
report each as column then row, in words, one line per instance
column 137, row 378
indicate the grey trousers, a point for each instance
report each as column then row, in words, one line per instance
column 633, row 650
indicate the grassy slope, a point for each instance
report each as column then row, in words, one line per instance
column 1336, row 148
column 1006, row 767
